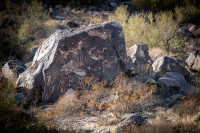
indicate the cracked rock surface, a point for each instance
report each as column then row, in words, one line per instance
column 68, row 55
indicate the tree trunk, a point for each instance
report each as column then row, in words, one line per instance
column 168, row 47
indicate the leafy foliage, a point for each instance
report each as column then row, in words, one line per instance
column 156, row 30
column 19, row 21
column 33, row 17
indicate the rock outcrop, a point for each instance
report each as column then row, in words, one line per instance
column 68, row 55
column 193, row 60
column 140, row 56
column 173, row 83
column 12, row 69
column 170, row 64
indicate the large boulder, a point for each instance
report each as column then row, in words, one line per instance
column 12, row 69
column 193, row 60
column 66, row 56
column 140, row 56
column 173, row 83
column 170, row 64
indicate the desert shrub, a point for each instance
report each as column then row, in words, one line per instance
column 188, row 10
column 187, row 14
column 156, row 30
column 167, row 30
column 17, row 21
column 10, row 48
column 189, row 128
column 33, row 16
column 162, row 5
column 8, row 42
column 121, row 15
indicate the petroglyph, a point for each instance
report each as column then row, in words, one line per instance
column 66, row 56
column 103, row 34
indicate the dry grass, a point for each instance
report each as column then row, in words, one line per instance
column 124, row 96
column 165, row 121
column 191, row 104
column 12, row 119
column 185, row 117
column 117, row 97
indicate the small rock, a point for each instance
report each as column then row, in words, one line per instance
column 175, row 98
column 70, row 91
column 183, row 30
column 193, row 60
column 133, row 118
column 18, row 98
column 151, row 81
column 12, row 69
column 170, row 64
column 72, row 24
column 67, row 25
column 140, row 57
column 192, row 28
column 105, row 131
column 104, row 16
column 113, row 4
column 173, row 82
column 167, row 100
column 58, row 17
column 88, row 111
column 129, row 120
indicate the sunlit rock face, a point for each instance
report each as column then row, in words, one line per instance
column 193, row 60
column 170, row 64
column 68, row 55
column 139, row 53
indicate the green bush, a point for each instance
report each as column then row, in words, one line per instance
column 10, row 48
column 19, row 21
column 33, row 16
column 156, row 30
